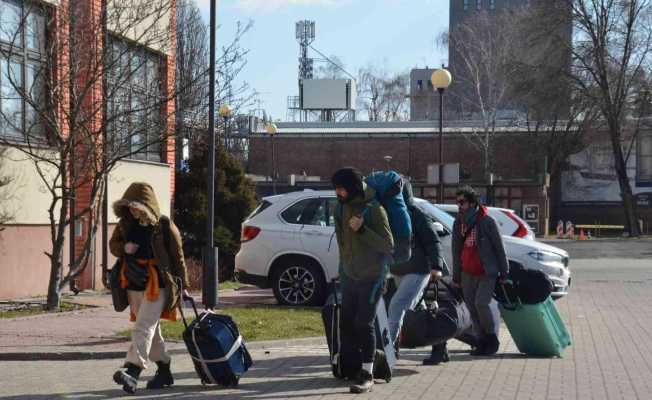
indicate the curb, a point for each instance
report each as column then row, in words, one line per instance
column 176, row 350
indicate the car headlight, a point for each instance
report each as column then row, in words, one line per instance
column 546, row 257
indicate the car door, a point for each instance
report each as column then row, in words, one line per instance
column 318, row 233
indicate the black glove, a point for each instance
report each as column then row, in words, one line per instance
column 136, row 275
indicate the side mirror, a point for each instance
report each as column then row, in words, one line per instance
column 441, row 231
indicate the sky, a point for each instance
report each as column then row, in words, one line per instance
column 395, row 34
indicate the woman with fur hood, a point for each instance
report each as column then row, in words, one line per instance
column 152, row 267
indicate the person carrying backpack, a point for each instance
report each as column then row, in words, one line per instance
column 479, row 259
column 365, row 243
column 149, row 248
column 426, row 263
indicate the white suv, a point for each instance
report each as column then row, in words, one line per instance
column 289, row 244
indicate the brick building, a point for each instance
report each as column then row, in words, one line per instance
column 24, row 241
column 315, row 151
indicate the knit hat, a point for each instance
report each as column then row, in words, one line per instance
column 350, row 179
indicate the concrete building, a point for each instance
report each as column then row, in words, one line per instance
column 461, row 100
column 24, row 266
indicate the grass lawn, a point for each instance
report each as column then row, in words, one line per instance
column 226, row 285
column 38, row 309
column 261, row 323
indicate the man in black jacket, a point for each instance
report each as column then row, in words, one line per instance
column 426, row 263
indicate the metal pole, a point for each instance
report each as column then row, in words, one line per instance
column 441, row 146
column 105, row 147
column 209, row 286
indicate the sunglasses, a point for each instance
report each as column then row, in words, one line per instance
column 461, row 202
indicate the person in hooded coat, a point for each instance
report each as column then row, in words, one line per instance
column 153, row 271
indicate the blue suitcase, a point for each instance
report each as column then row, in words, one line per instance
column 216, row 347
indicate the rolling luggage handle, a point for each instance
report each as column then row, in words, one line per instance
column 181, row 300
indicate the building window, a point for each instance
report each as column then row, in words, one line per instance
column 22, row 68
column 466, row 5
column 135, row 101
column 492, row 4
column 644, row 160
column 419, row 85
column 478, row 4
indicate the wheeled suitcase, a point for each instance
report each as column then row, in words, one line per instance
column 216, row 347
column 346, row 366
column 537, row 329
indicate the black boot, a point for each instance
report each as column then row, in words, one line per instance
column 162, row 378
column 129, row 378
column 479, row 349
column 491, row 345
column 438, row 355
column 365, row 383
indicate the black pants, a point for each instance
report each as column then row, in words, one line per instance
column 359, row 301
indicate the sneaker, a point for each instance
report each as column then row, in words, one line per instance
column 365, row 383
column 162, row 378
column 129, row 378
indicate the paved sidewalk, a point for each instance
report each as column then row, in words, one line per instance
column 607, row 312
column 89, row 332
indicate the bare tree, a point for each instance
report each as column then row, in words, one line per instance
column 6, row 180
column 95, row 98
column 192, row 77
column 611, row 51
column 481, row 63
column 331, row 68
column 382, row 95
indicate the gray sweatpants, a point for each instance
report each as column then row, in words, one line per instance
column 478, row 293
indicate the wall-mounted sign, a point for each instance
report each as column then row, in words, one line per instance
column 531, row 212
column 644, row 199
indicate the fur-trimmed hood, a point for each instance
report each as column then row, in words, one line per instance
column 139, row 195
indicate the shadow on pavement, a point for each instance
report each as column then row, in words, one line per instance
column 291, row 377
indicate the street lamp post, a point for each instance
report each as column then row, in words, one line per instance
column 441, row 80
column 271, row 131
column 209, row 273
column 225, row 112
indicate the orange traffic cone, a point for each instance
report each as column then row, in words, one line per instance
column 582, row 236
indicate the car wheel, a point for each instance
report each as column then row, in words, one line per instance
column 299, row 283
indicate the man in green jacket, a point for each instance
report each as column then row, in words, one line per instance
column 365, row 243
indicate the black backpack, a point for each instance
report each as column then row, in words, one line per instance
column 530, row 286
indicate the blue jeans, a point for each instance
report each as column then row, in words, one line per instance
column 409, row 289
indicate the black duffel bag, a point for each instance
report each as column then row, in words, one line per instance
column 427, row 327
column 531, row 286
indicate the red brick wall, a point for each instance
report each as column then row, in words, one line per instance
column 170, row 90
column 321, row 156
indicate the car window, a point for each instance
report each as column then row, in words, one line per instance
column 306, row 212
column 260, row 208
column 332, row 206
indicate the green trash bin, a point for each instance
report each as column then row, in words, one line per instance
column 537, row 329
